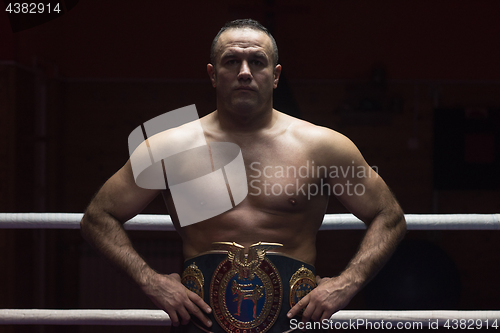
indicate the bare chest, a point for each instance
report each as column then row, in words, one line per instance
column 278, row 176
column 282, row 175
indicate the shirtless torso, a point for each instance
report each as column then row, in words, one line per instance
column 272, row 160
column 281, row 206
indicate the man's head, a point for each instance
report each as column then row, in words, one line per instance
column 242, row 24
column 243, row 69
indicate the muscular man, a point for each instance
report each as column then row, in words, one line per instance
column 244, row 70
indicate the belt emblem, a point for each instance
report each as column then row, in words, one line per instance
column 192, row 278
column 301, row 284
column 246, row 289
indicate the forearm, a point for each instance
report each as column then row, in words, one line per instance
column 382, row 236
column 106, row 234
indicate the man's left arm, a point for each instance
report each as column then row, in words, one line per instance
column 367, row 196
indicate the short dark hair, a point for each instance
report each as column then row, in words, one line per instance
column 240, row 24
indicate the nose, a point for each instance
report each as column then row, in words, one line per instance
column 245, row 73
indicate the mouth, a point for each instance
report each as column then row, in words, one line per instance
column 247, row 88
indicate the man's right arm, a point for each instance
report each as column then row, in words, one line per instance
column 117, row 201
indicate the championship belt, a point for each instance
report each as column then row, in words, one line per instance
column 248, row 292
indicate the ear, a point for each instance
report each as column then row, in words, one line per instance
column 211, row 74
column 277, row 72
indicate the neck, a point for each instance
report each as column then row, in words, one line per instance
column 245, row 120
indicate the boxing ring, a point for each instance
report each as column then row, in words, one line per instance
column 160, row 318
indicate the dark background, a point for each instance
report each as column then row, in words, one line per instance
column 415, row 84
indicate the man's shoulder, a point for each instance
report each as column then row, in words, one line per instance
column 178, row 139
column 181, row 132
column 310, row 132
column 321, row 141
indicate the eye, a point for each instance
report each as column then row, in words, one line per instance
column 231, row 62
column 256, row 62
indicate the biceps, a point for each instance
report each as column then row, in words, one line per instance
column 121, row 197
column 365, row 197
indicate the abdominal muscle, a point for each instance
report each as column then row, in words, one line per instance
column 246, row 225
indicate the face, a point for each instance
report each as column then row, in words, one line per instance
column 244, row 74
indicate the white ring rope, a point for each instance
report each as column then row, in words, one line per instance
column 83, row 317
column 160, row 318
column 330, row 221
column 163, row 222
